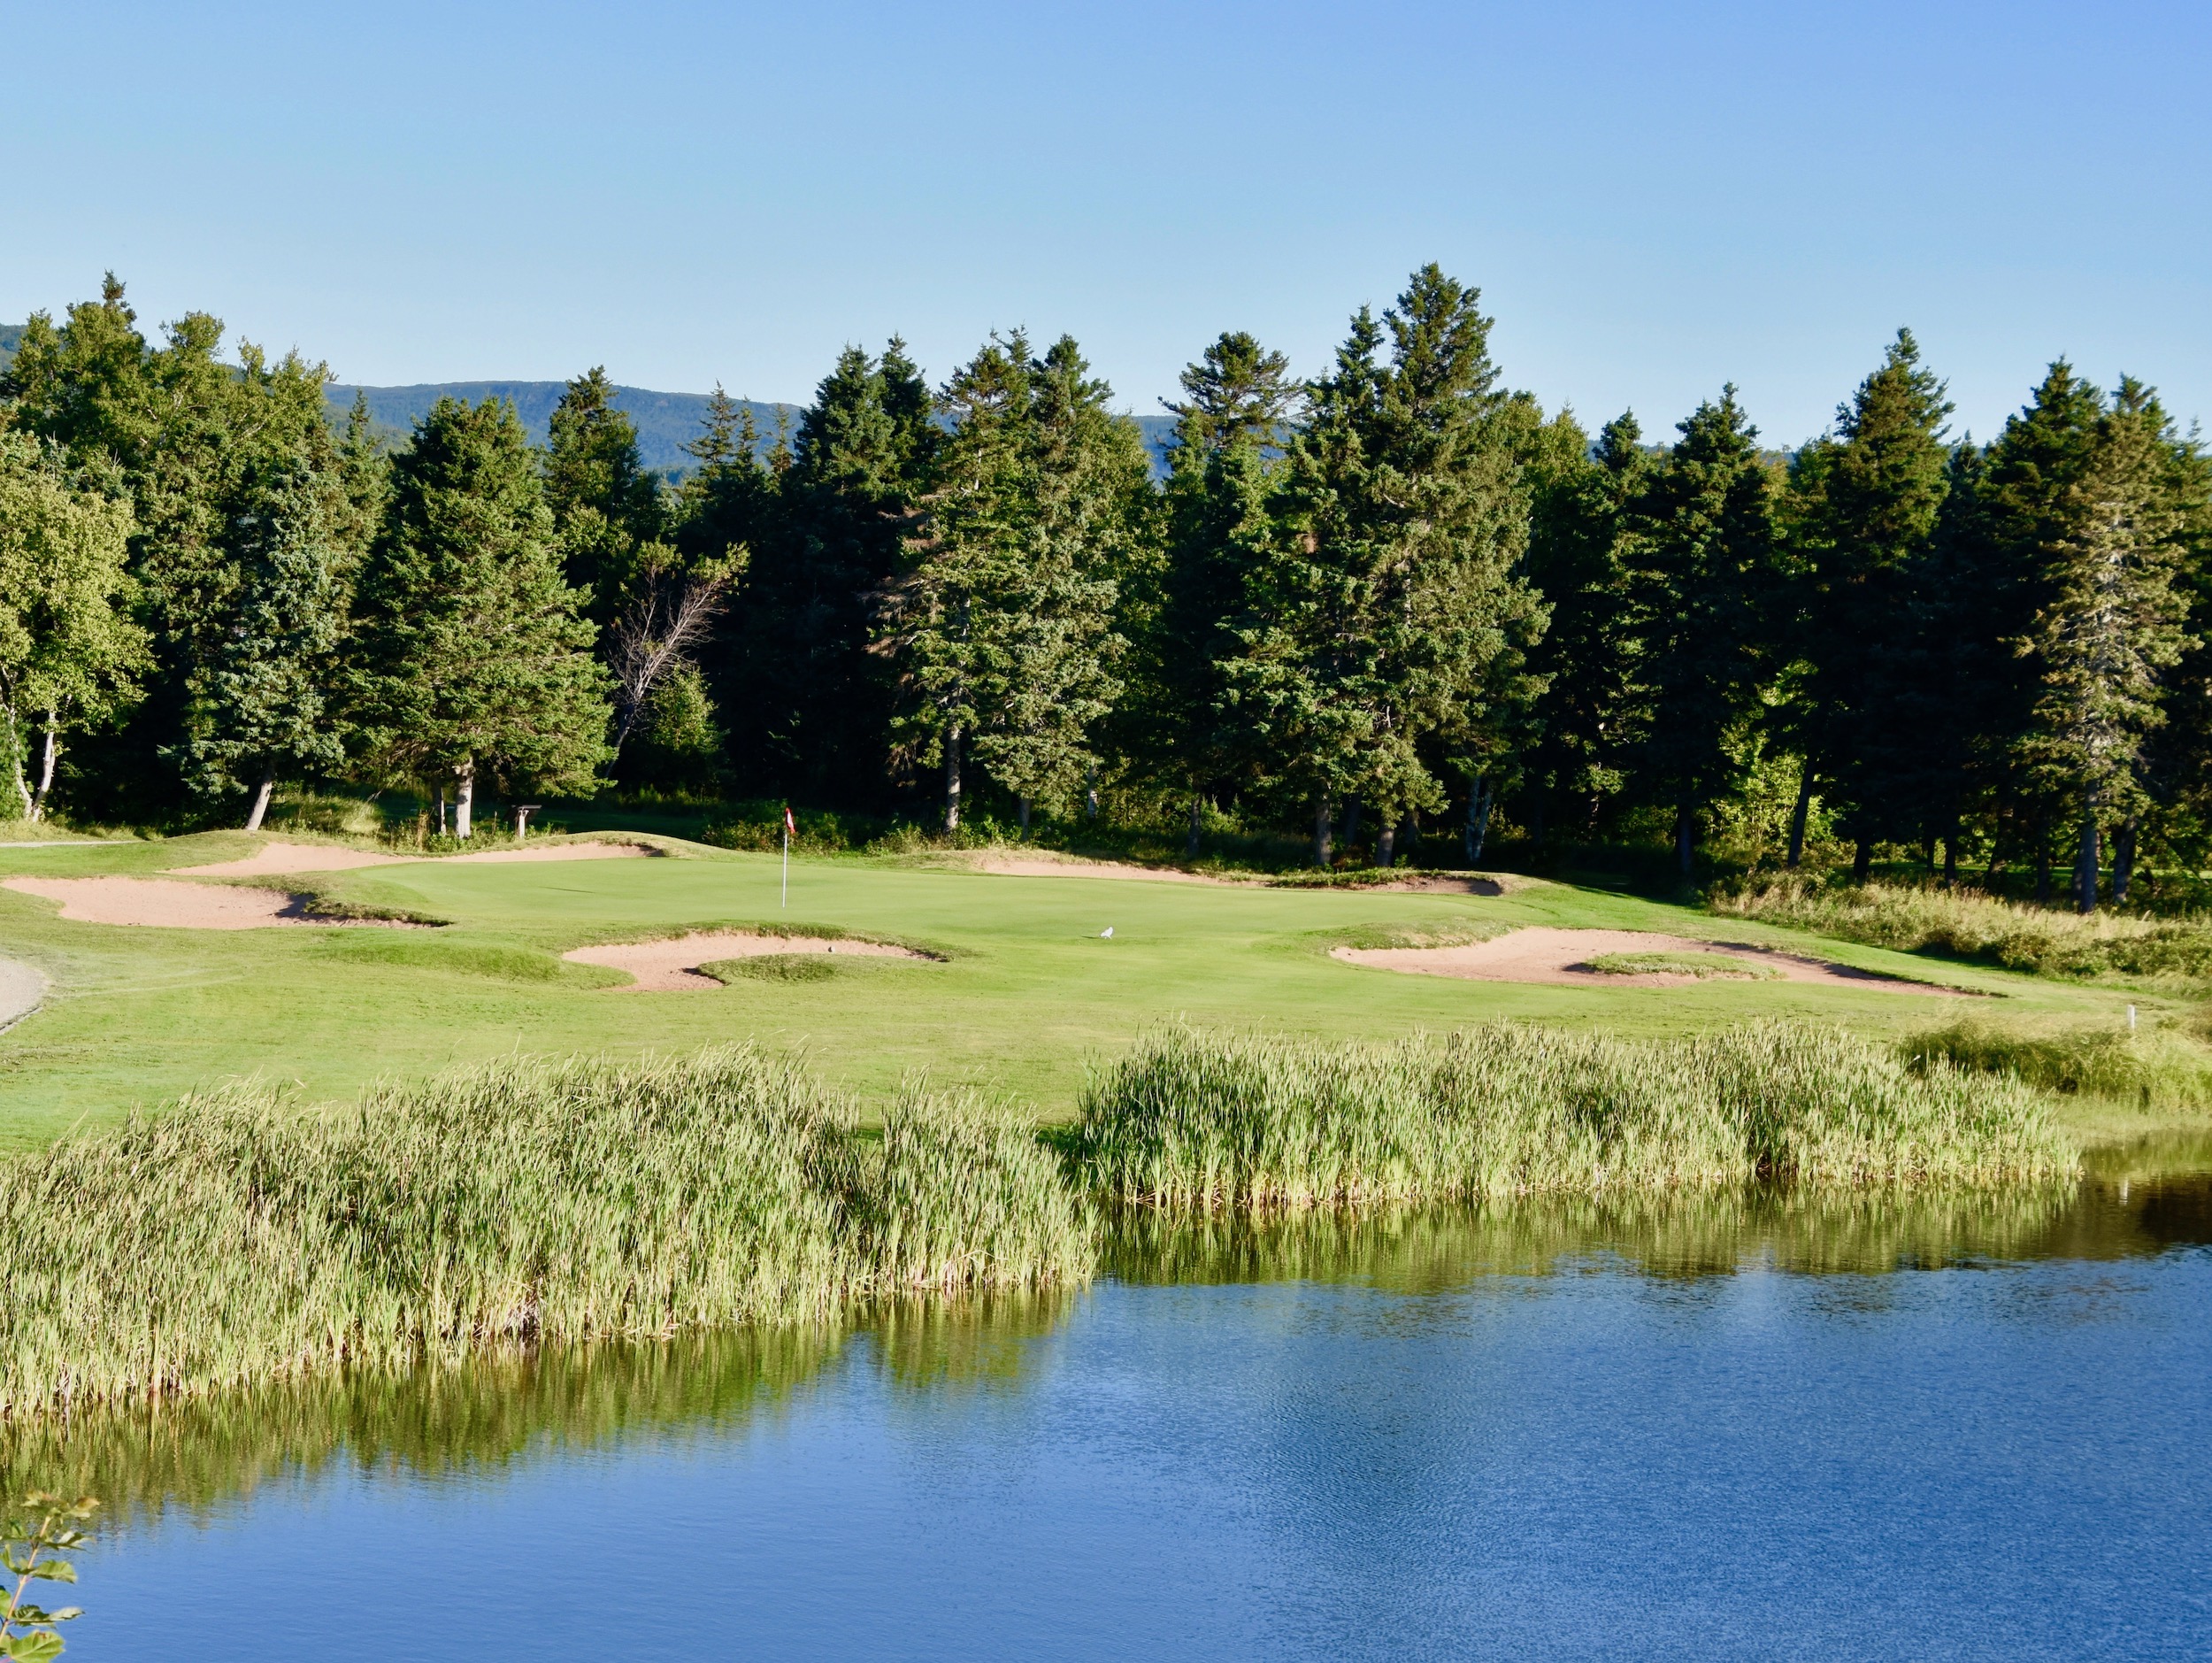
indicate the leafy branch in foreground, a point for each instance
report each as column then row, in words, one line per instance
column 32, row 1541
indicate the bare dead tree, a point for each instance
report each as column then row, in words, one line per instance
column 671, row 616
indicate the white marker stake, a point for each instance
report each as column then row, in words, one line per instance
column 787, row 858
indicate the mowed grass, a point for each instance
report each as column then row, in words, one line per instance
column 1029, row 997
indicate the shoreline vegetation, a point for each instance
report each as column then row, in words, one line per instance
column 545, row 1202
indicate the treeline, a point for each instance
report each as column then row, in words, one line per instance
column 1398, row 600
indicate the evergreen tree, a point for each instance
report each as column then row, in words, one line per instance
column 69, row 653
column 2025, row 506
column 2110, row 623
column 1237, row 400
column 939, row 619
column 606, row 508
column 1389, row 587
column 1054, row 647
column 263, row 702
column 818, row 701
column 474, row 658
column 1704, row 579
column 1866, row 502
column 1589, row 716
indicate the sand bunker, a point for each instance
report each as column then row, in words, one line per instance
column 670, row 966
column 1563, row 955
column 1051, row 865
column 275, row 860
column 169, row 904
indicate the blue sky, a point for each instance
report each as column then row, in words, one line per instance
column 1654, row 199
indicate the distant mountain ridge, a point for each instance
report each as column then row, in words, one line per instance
column 665, row 422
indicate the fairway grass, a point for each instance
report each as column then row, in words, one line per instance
column 1031, row 996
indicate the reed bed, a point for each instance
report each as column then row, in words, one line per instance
column 233, row 1238
column 1191, row 1122
column 2159, row 1067
column 1957, row 924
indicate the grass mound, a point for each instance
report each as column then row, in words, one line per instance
column 773, row 967
column 1958, row 924
column 1206, row 1122
column 233, row 1239
column 1682, row 964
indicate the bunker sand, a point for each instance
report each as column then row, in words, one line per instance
column 173, row 904
column 672, row 967
column 277, row 859
column 1561, row 957
column 1043, row 864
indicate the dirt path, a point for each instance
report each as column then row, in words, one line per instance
column 1561, row 957
column 670, row 966
column 277, row 859
column 173, row 904
column 22, row 990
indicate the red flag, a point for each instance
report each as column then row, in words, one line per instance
column 790, row 826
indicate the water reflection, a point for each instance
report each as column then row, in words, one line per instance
column 515, row 1407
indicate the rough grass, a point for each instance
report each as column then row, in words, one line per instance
column 2154, row 1067
column 1684, row 964
column 233, row 1239
column 1207, row 1121
column 1958, row 924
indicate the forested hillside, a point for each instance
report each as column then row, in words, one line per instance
column 1396, row 601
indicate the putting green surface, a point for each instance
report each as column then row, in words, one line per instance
column 1029, row 994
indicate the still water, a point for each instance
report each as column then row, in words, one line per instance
column 1742, row 1429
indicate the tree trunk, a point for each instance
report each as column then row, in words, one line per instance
column 1351, row 821
column 442, row 810
column 2122, row 861
column 1190, row 843
column 1863, row 860
column 1798, row 817
column 261, row 798
column 1951, row 857
column 1021, row 812
column 2086, row 864
column 1479, row 824
column 1686, row 841
column 51, row 748
column 1387, row 843
column 464, row 799
column 1470, row 840
column 15, row 763
column 1090, row 794
column 2043, row 860
column 952, row 782
column 1321, row 840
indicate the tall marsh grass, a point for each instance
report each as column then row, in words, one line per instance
column 2155, row 1067
column 233, row 1238
column 1206, row 1122
column 1960, row 925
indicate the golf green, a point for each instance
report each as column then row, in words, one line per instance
column 1029, row 992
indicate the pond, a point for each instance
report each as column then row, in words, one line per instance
column 1746, row 1427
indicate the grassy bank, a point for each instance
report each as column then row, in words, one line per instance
column 232, row 1238
column 2037, row 941
column 1188, row 1121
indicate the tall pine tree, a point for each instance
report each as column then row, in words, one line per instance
column 1703, row 577
column 474, row 658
